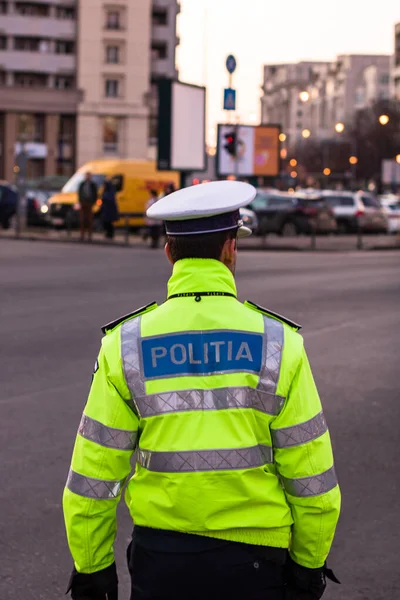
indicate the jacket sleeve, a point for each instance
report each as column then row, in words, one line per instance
column 303, row 456
column 101, row 463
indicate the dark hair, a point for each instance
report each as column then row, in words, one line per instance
column 153, row 193
column 204, row 245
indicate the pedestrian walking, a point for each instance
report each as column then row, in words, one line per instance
column 234, row 494
column 87, row 194
column 154, row 226
column 109, row 209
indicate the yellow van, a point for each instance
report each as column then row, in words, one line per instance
column 133, row 179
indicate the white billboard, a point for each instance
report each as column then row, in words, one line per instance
column 181, row 129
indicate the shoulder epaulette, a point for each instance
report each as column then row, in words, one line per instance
column 274, row 315
column 135, row 313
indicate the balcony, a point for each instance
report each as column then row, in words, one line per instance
column 39, row 100
column 163, row 67
column 37, row 62
column 19, row 25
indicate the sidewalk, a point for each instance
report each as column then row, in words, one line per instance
column 332, row 243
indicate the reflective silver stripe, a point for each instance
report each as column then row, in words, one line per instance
column 311, row 486
column 272, row 355
column 201, row 400
column 131, row 359
column 206, row 460
column 88, row 487
column 118, row 439
column 299, row 434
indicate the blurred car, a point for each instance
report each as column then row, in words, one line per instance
column 391, row 205
column 289, row 214
column 8, row 204
column 37, row 207
column 356, row 211
column 249, row 219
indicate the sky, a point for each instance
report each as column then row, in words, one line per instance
column 258, row 32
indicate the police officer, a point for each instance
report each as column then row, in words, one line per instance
column 234, row 493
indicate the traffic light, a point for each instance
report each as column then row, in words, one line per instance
column 231, row 141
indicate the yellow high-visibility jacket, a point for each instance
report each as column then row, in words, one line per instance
column 218, row 399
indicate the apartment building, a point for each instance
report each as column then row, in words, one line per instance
column 164, row 41
column 396, row 63
column 78, row 79
column 285, row 97
column 317, row 96
column 38, row 92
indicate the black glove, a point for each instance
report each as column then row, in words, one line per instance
column 102, row 585
column 306, row 584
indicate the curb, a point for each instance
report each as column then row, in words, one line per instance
column 138, row 243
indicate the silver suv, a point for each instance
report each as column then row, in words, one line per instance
column 357, row 211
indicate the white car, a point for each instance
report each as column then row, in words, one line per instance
column 357, row 210
column 391, row 205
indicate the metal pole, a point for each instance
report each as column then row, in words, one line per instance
column 127, row 230
column 21, row 168
column 359, row 235
column 313, row 237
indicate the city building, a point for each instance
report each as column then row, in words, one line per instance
column 164, row 41
column 78, row 80
column 309, row 99
column 285, row 99
column 396, row 63
column 38, row 91
column 113, row 73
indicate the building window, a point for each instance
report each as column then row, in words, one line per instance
column 65, row 47
column 113, row 19
column 3, row 42
column 159, row 50
column 153, row 130
column 112, row 55
column 159, row 16
column 2, row 78
column 65, row 12
column 35, row 168
column 385, row 79
column 110, row 135
column 28, row 44
column 63, row 82
column 32, row 9
column 112, row 88
column 31, row 80
column 299, row 126
column 299, row 113
column 3, row 7
column 30, row 127
column 66, row 145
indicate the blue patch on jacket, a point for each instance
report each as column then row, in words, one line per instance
column 202, row 353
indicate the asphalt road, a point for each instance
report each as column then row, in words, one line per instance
column 53, row 300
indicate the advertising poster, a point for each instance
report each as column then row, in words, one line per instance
column 247, row 151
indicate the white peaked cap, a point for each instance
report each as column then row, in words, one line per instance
column 204, row 208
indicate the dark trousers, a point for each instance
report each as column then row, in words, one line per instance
column 155, row 233
column 230, row 571
column 109, row 229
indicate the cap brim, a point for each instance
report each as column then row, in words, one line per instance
column 244, row 232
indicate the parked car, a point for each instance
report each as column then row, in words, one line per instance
column 357, row 211
column 249, row 219
column 391, row 205
column 8, row 204
column 37, row 207
column 292, row 214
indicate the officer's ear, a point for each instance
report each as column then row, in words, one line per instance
column 228, row 254
column 167, row 251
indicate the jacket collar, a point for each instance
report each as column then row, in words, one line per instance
column 200, row 275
